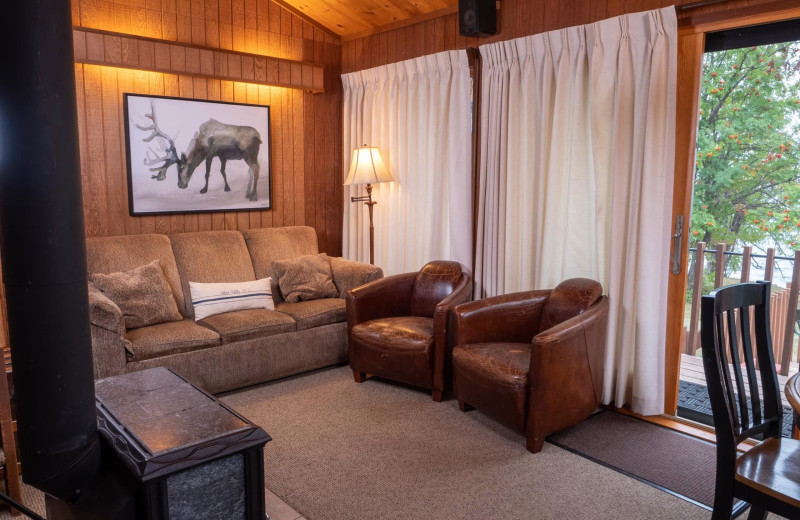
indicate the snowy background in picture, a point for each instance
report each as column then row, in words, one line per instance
column 180, row 120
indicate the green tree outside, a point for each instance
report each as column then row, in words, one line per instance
column 747, row 180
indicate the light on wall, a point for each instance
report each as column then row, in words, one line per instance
column 367, row 167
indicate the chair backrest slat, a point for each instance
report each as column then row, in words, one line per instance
column 752, row 377
column 733, row 349
column 737, row 404
column 724, row 376
column 773, row 408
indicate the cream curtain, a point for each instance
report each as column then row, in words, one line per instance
column 575, row 179
column 418, row 113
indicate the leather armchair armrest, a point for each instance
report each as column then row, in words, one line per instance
column 510, row 317
column 566, row 371
column 107, row 327
column 383, row 298
column 442, row 341
column 349, row 274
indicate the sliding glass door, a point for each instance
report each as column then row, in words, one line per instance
column 744, row 221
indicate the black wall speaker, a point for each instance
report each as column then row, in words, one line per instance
column 477, row 17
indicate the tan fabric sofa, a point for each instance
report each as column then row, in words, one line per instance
column 233, row 349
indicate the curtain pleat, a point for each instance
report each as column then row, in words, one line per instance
column 575, row 179
column 418, row 112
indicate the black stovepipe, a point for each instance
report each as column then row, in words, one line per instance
column 43, row 251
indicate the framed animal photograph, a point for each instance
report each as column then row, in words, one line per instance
column 188, row 156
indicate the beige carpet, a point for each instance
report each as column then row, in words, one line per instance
column 345, row 451
column 32, row 498
column 380, row 451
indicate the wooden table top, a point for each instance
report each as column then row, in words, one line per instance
column 159, row 423
column 793, row 392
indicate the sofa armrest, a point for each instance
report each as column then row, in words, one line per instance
column 442, row 329
column 107, row 325
column 104, row 313
column 510, row 317
column 382, row 298
column 349, row 274
column 566, row 371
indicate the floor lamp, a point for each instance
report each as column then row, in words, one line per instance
column 367, row 167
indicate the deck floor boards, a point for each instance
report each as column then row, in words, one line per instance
column 692, row 371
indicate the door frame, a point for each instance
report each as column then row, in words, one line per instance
column 692, row 30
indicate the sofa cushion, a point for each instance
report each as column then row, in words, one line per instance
column 267, row 245
column 315, row 313
column 166, row 339
column 142, row 294
column 304, row 278
column 249, row 324
column 123, row 253
column 209, row 299
column 210, row 256
column 349, row 274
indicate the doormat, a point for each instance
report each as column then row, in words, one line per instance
column 666, row 459
column 694, row 404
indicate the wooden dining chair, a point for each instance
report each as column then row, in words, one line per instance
column 767, row 476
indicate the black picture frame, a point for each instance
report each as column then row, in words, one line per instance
column 170, row 141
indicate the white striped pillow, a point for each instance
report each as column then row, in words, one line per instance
column 215, row 298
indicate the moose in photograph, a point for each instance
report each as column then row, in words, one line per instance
column 213, row 139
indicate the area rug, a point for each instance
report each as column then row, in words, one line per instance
column 378, row 450
column 664, row 458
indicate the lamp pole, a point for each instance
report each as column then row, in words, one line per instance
column 369, row 203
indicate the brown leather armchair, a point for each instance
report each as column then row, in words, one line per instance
column 398, row 326
column 532, row 360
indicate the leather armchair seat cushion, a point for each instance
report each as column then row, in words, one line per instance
column 503, row 364
column 398, row 348
column 493, row 377
column 404, row 333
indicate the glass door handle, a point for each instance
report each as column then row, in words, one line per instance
column 677, row 244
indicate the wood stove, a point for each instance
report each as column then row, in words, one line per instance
column 191, row 456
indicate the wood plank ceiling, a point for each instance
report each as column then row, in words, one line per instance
column 356, row 18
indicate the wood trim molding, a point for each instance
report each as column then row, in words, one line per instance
column 112, row 49
column 402, row 23
column 690, row 57
column 740, row 17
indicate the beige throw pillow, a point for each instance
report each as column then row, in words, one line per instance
column 304, row 278
column 142, row 294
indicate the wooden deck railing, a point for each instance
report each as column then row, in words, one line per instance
column 783, row 302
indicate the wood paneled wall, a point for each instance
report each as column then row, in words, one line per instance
column 516, row 18
column 306, row 133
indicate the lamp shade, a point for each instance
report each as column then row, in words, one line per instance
column 367, row 167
